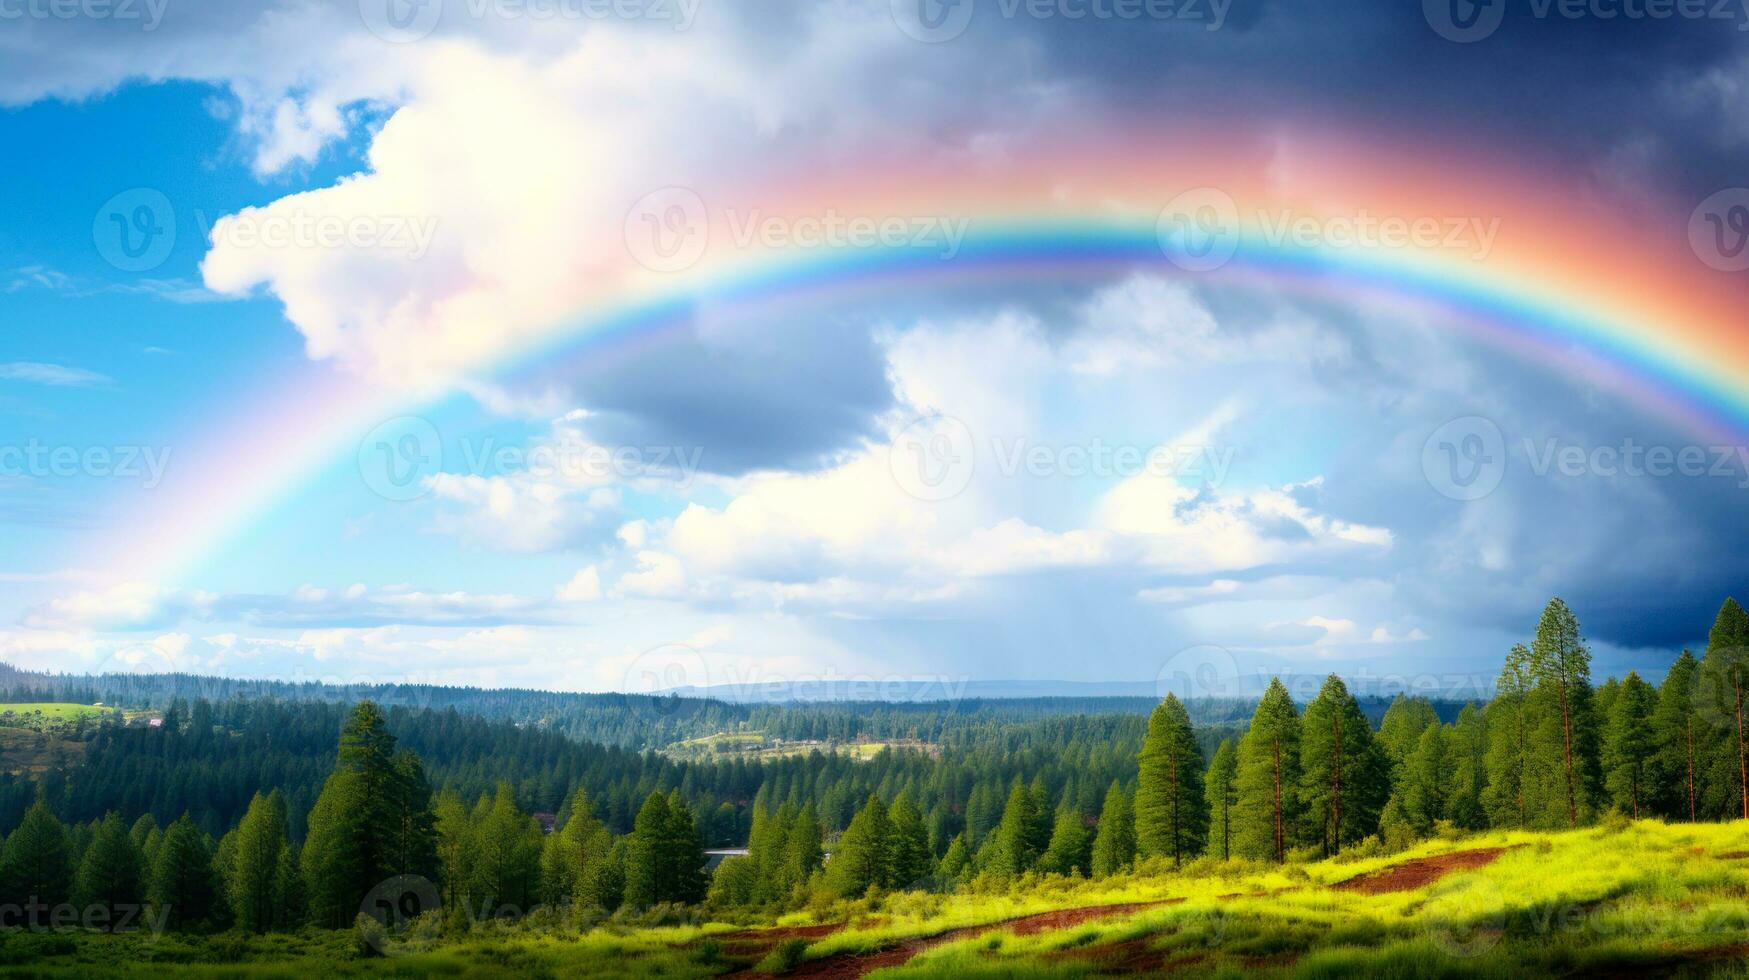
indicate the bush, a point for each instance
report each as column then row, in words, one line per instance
column 787, row 956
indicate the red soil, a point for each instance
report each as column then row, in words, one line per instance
column 1420, row 872
column 845, row 965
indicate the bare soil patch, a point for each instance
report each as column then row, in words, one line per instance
column 846, row 965
column 1420, row 872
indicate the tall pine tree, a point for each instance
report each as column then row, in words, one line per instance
column 1171, row 813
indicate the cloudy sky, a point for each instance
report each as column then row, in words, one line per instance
column 310, row 365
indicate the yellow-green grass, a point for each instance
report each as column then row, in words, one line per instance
column 1644, row 896
column 1628, row 898
column 49, row 712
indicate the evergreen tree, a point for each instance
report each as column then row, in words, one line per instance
column 909, row 862
column 183, row 884
column 1428, row 778
column 1722, row 688
column 1673, row 725
column 259, row 889
column 454, row 827
column 1564, row 750
column 1508, row 718
column 1266, row 812
column 37, row 869
column 1401, row 727
column 1114, row 845
column 1469, row 755
column 1012, row 846
column 1223, row 794
column 1345, row 775
column 1068, row 850
column 562, row 853
column 685, row 851
column 1629, row 744
column 506, row 860
column 647, row 877
column 860, row 858
column 956, row 863
column 803, row 853
column 109, row 875
column 1171, row 814
column 370, row 823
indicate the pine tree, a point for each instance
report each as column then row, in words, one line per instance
column 684, row 850
column 1564, row 749
column 183, row 884
column 1171, row 813
column 562, row 853
column 37, row 869
column 454, row 826
column 258, row 889
column 1267, row 810
column 647, row 880
column 109, row 875
column 1012, row 846
column 1674, row 726
column 1629, row 744
column 1469, row 752
column 1114, row 845
column 956, row 863
column 1223, row 794
column 506, row 861
column 1723, row 688
column 909, row 862
column 805, row 851
column 1401, row 727
column 371, row 822
column 1428, row 778
column 1345, row 775
column 1067, row 852
column 1508, row 718
column 860, row 858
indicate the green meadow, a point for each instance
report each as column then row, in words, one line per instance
column 1623, row 898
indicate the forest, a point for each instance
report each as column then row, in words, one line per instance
column 261, row 815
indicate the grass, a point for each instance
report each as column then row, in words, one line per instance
column 47, row 713
column 1636, row 898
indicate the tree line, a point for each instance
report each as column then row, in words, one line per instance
column 1075, row 796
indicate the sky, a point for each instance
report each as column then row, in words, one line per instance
column 593, row 345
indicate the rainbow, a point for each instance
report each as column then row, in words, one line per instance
column 1618, row 295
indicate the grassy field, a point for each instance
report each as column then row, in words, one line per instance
column 754, row 745
column 1641, row 898
column 46, row 714
column 29, row 735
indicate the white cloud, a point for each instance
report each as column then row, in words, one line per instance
column 585, row 586
column 56, row 375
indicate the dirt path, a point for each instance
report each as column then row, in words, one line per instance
column 1420, row 872
column 845, row 965
column 755, row 943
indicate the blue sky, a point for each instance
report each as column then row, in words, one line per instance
column 773, row 524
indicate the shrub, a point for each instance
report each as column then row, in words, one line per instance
column 787, row 956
